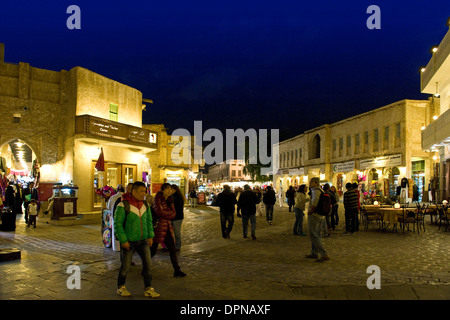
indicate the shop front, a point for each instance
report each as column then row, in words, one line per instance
column 121, row 148
column 382, row 177
column 342, row 173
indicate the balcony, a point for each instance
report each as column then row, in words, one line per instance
column 438, row 68
column 437, row 134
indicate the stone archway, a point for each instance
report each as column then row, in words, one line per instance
column 19, row 160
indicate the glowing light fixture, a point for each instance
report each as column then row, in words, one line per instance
column 397, row 206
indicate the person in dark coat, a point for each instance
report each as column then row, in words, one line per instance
column 269, row 199
column 32, row 194
column 226, row 200
column 290, row 195
column 10, row 197
column 247, row 205
column 178, row 200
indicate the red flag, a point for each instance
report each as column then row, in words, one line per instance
column 100, row 165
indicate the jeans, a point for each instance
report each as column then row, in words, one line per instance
column 298, row 224
column 224, row 218
column 269, row 212
column 141, row 247
column 326, row 224
column 245, row 219
column 315, row 225
column 177, row 232
column 334, row 216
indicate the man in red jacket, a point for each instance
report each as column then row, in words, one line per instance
column 164, row 208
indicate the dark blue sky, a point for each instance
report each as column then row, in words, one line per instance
column 288, row 65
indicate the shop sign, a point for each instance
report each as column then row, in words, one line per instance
column 344, row 167
column 297, row 171
column 382, row 162
column 102, row 127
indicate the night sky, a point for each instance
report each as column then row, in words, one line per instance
column 288, row 65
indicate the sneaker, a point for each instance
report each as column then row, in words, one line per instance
column 253, row 237
column 150, row 292
column 323, row 258
column 311, row 256
column 179, row 273
column 122, row 291
column 303, row 234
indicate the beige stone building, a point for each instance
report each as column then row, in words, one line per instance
column 65, row 118
column 435, row 80
column 228, row 172
column 380, row 147
column 163, row 168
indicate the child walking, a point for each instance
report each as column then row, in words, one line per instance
column 32, row 213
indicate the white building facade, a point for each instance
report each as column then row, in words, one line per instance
column 435, row 80
column 376, row 149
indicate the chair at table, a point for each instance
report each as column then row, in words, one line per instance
column 369, row 215
column 420, row 215
column 443, row 217
column 406, row 218
column 432, row 212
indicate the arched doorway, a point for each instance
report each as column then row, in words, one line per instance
column 314, row 147
column 18, row 161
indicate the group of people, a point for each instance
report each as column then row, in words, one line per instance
column 322, row 211
column 141, row 223
column 248, row 206
column 22, row 198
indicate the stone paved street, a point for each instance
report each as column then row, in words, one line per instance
column 413, row 266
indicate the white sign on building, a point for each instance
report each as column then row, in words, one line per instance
column 344, row 167
column 297, row 171
column 382, row 162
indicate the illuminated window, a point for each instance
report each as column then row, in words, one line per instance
column 113, row 112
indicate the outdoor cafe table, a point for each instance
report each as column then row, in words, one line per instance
column 372, row 207
column 391, row 214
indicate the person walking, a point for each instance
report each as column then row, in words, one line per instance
column 178, row 200
column 29, row 193
column 32, row 213
column 290, row 195
column 315, row 223
column 193, row 196
column 351, row 209
column 247, row 205
column 164, row 208
column 226, row 200
column 280, row 196
column 269, row 199
column 334, row 218
column 301, row 198
column 134, row 229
